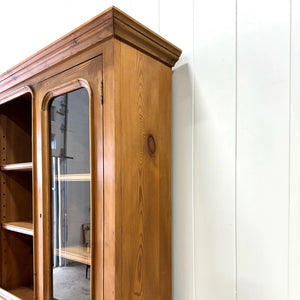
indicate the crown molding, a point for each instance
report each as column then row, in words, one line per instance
column 112, row 23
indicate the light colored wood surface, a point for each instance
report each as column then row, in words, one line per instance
column 77, row 253
column 21, row 293
column 17, row 93
column 26, row 166
column 92, row 72
column 21, row 227
column 112, row 172
column 112, row 23
column 144, row 151
column 136, row 166
column 74, row 177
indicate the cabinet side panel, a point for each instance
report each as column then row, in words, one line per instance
column 145, row 147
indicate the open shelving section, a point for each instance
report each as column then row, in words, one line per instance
column 16, row 232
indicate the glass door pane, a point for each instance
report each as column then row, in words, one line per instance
column 71, row 202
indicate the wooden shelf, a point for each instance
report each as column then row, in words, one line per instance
column 73, row 177
column 21, row 293
column 26, row 166
column 77, row 253
column 21, row 227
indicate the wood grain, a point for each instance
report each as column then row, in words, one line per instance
column 18, row 196
column 18, row 259
column 16, row 189
column 91, row 71
column 145, row 187
column 15, row 123
column 21, row 293
column 111, row 169
column 16, row 93
column 112, row 23
column 130, row 155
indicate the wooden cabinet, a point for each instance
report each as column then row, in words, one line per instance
column 86, row 166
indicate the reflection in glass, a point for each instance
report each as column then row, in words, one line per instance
column 71, row 205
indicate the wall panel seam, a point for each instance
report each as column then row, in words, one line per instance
column 236, row 153
column 289, row 153
column 193, row 153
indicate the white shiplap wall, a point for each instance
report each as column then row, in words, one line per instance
column 263, row 58
column 236, row 133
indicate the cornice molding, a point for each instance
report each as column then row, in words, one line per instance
column 112, row 23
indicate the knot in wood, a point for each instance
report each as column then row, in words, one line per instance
column 151, row 144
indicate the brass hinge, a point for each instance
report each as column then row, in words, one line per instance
column 101, row 91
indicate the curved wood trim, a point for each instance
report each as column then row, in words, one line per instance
column 65, row 88
column 15, row 94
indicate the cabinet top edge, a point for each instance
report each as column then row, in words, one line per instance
column 112, row 23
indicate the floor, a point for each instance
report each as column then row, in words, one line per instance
column 70, row 283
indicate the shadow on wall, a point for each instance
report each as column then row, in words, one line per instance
column 182, row 212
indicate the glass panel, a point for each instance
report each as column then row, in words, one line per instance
column 71, row 204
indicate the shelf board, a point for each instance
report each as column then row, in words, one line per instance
column 20, row 293
column 77, row 253
column 20, row 227
column 73, row 177
column 25, row 166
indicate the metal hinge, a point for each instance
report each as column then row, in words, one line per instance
column 101, row 91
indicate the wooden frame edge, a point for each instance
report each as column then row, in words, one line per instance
column 112, row 23
column 65, row 88
column 17, row 93
column 46, row 100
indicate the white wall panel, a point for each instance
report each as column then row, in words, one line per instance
column 214, row 148
column 294, row 262
column 262, row 149
column 181, row 34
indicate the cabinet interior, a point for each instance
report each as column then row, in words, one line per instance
column 16, row 273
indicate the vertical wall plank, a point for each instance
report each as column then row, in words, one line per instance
column 262, row 149
column 214, row 148
column 181, row 34
column 294, row 263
